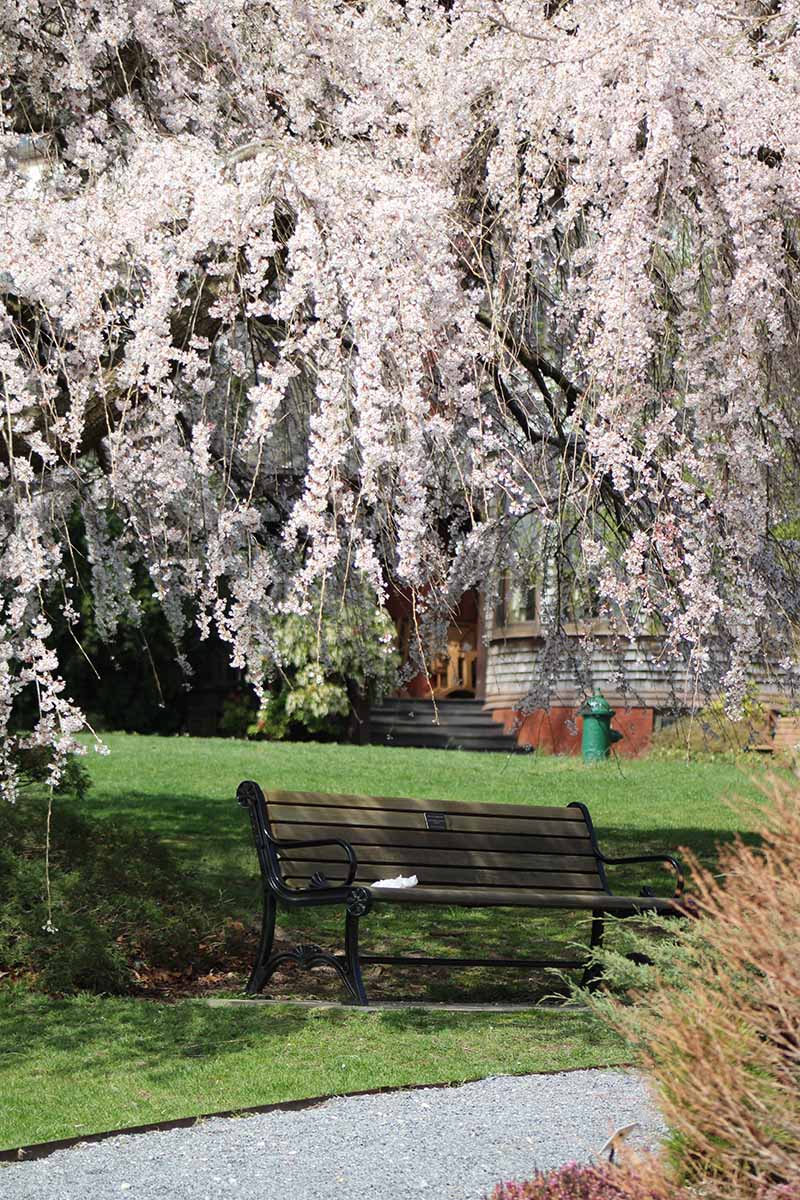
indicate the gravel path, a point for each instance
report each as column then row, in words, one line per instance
column 443, row 1143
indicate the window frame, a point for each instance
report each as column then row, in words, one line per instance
column 503, row 630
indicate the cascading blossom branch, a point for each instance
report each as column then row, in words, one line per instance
column 301, row 297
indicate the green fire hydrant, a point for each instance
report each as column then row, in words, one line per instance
column 598, row 736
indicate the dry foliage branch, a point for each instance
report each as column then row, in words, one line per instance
column 720, row 1032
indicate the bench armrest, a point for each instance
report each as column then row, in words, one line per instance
column 302, row 845
column 250, row 796
column 356, row 899
column 643, row 858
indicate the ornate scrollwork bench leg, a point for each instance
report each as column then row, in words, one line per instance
column 356, row 901
column 357, row 906
column 308, row 954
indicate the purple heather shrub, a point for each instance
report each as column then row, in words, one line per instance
column 579, row 1181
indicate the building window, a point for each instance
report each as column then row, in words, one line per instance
column 580, row 603
column 518, row 602
column 545, row 589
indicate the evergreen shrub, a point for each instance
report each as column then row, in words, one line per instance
column 329, row 666
column 711, row 733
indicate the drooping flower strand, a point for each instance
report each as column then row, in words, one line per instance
column 296, row 294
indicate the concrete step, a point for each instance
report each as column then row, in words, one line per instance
column 398, row 704
column 380, row 718
column 785, row 737
column 787, row 733
column 425, row 742
column 441, row 733
column 462, row 724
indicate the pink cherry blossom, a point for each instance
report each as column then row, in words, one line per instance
column 298, row 294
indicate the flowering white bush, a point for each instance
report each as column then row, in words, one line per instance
column 326, row 667
column 307, row 291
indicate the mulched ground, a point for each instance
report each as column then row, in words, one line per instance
column 221, row 968
column 228, row 977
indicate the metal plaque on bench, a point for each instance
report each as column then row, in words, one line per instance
column 436, row 821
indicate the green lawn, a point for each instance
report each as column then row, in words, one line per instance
column 69, row 1068
column 184, row 789
column 89, row 1063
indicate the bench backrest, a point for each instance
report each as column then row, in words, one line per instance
column 443, row 843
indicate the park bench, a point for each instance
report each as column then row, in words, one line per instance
column 316, row 849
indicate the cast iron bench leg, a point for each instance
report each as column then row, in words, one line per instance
column 352, row 966
column 347, row 966
column 592, row 974
column 262, row 968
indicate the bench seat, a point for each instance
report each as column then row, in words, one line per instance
column 316, row 849
column 519, row 898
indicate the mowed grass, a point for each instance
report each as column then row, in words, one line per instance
column 75, row 1066
column 70, row 1068
column 184, row 789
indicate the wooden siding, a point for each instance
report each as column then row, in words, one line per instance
column 632, row 677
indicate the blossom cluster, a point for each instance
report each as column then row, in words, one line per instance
column 297, row 292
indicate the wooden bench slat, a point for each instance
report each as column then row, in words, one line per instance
column 358, row 835
column 469, row 877
column 522, row 898
column 404, row 804
column 414, row 859
column 298, row 814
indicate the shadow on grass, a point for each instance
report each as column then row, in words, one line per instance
column 212, row 843
column 704, row 844
column 211, row 838
column 105, row 1036
column 91, row 1029
column 490, row 932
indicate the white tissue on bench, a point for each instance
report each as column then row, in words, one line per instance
column 398, row 882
